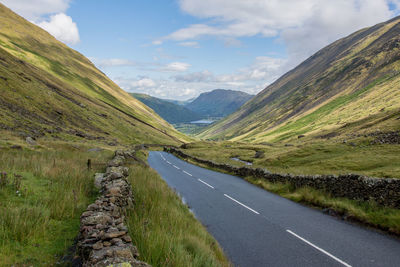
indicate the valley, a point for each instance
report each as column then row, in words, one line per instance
column 192, row 116
column 95, row 170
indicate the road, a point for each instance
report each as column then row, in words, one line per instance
column 258, row 228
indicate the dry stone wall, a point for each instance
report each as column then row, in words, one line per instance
column 385, row 191
column 104, row 238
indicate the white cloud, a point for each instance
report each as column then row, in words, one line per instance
column 157, row 42
column 231, row 42
column 251, row 79
column 202, row 76
column 140, row 84
column 189, row 44
column 304, row 26
column 49, row 15
column 145, row 82
column 153, row 66
column 264, row 70
column 113, row 62
column 62, row 27
column 331, row 21
column 162, row 88
column 176, row 66
column 35, row 9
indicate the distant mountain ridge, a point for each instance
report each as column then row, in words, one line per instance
column 349, row 86
column 167, row 109
column 218, row 103
column 180, row 102
column 215, row 104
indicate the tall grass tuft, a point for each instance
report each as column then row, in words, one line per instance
column 40, row 208
column 164, row 230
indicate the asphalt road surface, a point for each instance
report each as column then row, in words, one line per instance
column 258, row 228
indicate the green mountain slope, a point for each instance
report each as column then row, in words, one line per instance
column 51, row 90
column 171, row 112
column 218, row 103
column 348, row 87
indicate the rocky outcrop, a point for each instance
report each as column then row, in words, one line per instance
column 385, row 191
column 386, row 137
column 104, row 238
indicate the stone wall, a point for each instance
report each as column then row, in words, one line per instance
column 104, row 238
column 385, row 191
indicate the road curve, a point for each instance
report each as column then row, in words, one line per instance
column 258, row 228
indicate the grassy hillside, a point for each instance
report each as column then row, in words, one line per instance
column 218, row 103
column 349, row 87
column 52, row 91
column 171, row 112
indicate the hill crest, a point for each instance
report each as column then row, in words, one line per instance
column 339, row 85
column 54, row 91
column 218, row 102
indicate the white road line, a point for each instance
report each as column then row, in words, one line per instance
column 168, row 162
column 320, row 249
column 201, row 181
column 176, row 167
column 187, row 173
column 231, row 198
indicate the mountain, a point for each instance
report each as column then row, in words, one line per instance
column 49, row 90
column 218, row 103
column 172, row 113
column 180, row 102
column 348, row 87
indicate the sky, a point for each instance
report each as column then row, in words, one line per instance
column 177, row 49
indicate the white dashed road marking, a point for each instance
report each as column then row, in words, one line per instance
column 318, row 248
column 201, row 181
column 231, row 198
column 256, row 212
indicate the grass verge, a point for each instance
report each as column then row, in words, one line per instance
column 365, row 212
column 307, row 157
column 41, row 201
column 162, row 227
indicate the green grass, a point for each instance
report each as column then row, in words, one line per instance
column 40, row 223
column 306, row 123
column 189, row 128
column 162, row 227
column 365, row 212
column 309, row 157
